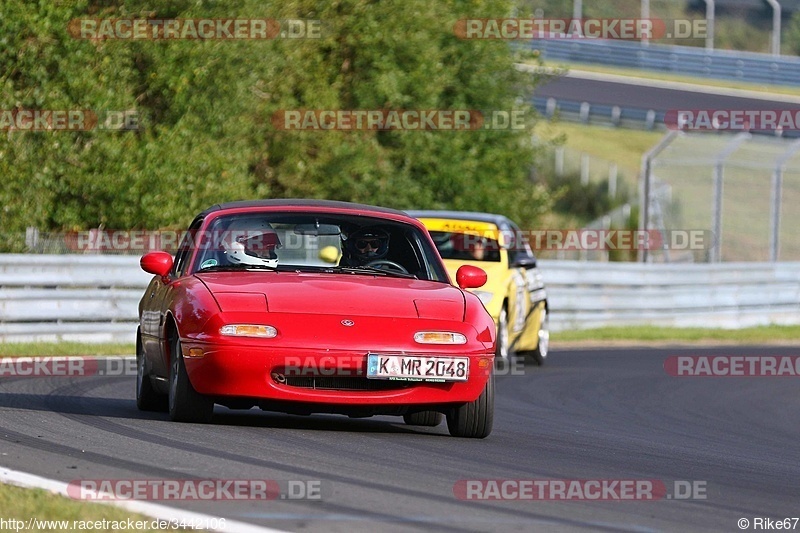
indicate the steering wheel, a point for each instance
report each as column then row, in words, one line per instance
column 378, row 263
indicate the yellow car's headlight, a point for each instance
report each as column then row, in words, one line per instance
column 485, row 296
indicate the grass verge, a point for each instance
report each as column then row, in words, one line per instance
column 25, row 504
column 623, row 146
column 30, row 349
column 756, row 335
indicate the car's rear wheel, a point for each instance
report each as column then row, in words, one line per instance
column 424, row 418
column 147, row 399
column 185, row 403
column 474, row 419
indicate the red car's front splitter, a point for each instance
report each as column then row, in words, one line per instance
column 319, row 376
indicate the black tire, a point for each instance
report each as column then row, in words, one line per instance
column 502, row 346
column 474, row 419
column 424, row 418
column 147, row 399
column 185, row 404
column 539, row 355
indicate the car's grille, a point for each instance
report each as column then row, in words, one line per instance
column 343, row 383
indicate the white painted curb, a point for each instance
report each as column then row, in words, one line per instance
column 153, row 510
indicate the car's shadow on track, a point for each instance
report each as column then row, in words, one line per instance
column 122, row 408
column 318, row 422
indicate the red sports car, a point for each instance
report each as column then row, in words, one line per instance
column 309, row 306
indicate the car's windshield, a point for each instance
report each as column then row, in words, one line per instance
column 319, row 242
column 466, row 246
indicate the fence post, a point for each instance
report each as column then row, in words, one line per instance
column 577, row 14
column 776, row 27
column 31, row 237
column 560, row 161
column 584, row 169
column 612, row 180
column 645, row 15
column 776, row 200
column 585, row 109
column 550, row 108
column 710, row 16
column 719, row 167
column 646, row 177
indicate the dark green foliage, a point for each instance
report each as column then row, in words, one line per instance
column 205, row 110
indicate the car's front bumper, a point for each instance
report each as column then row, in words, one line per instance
column 251, row 370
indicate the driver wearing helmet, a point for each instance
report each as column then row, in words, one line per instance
column 363, row 246
column 253, row 247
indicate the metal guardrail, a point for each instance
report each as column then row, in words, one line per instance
column 95, row 298
column 632, row 117
column 721, row 64
column 590, row 113
column 71, row 298
column 726, row 295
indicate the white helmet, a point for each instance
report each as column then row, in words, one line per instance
column 254, row 248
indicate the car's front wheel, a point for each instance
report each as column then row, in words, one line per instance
column 147, row 399
column 424, row 418
column 185, row 403
column 474, row 419
column 503, row 348
column 540, row 353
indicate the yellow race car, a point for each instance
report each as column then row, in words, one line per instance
column 514, row 294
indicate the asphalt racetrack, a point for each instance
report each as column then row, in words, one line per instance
column 588, row 415
column 635, row 95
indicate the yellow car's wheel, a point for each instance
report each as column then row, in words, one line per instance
column 503, row 347
column 539, row 355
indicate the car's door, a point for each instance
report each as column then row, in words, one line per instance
column 158, row 299
column 525, row 314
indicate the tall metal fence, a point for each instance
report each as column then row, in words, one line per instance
column 743, row 190
column 95, row 298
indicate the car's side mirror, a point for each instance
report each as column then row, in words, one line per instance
column 524, row 262
column 157, row 263
column 329, row 254
column 470, row 277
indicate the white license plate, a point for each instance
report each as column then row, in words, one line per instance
column 417, row 368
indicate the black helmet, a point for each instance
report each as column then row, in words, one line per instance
column 366, row 244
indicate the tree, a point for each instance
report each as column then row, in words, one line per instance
column 205, row 111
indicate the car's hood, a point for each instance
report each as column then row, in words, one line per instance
column 335, row 294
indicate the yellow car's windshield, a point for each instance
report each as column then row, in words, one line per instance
column 466, row 246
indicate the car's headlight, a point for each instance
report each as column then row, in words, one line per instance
column 439, row 337
column 485, row 296
column 248, row 330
